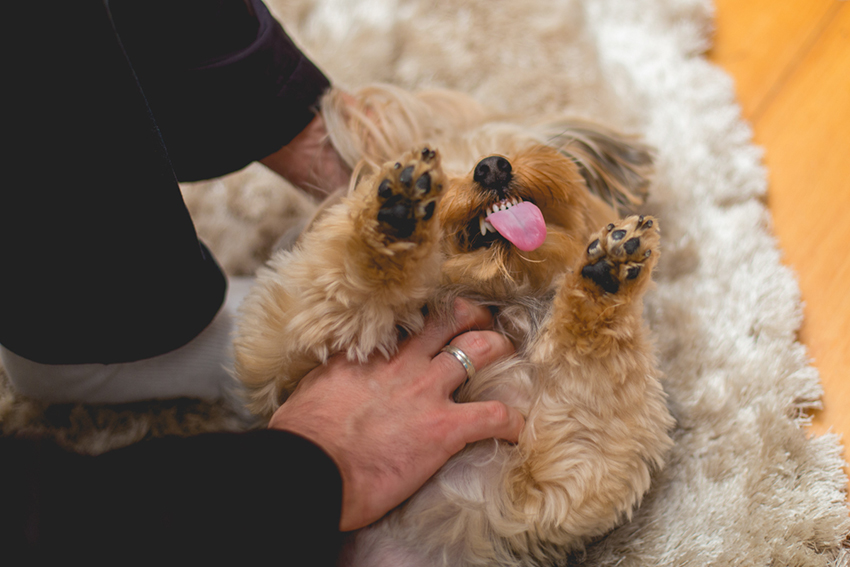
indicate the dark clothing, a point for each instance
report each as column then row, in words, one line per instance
column 265, row 497
column 108, row 105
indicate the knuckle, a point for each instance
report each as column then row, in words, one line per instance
column 462, row 312
column 468, row 315
column 475, row 343
column 497, row 413
column 502, row 414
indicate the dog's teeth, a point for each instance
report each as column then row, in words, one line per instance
column 485, row 225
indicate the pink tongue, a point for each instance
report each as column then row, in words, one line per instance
column 522, row 225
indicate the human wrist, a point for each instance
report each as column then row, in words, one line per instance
column 310, row 162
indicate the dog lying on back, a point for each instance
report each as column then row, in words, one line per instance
column 450, row 201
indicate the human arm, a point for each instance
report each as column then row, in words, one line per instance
column 225, row 83
column 205, row 499
column 376, row 432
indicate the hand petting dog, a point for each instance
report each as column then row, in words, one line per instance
column 391, row 424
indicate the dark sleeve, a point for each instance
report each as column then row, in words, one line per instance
column 252, row 498
column 225, row 83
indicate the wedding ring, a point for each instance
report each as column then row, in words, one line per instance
column 462, row 358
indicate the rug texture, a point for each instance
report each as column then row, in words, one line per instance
column 744, row 486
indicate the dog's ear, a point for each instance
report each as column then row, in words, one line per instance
column 616, row 167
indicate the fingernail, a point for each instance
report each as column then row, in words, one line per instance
column 461, row 310
column 470, row 316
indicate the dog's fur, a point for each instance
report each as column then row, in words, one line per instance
column 407, row 235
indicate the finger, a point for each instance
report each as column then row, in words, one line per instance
column 481, row 348
column 439, row 331
column 485, row 420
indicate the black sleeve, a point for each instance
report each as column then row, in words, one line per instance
column 252, row 498
column 225, row 83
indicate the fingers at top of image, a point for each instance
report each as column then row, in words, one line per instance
column 439, row 331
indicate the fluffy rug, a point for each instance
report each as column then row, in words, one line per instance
column 743, row 486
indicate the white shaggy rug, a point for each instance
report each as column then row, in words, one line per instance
column 743, row 486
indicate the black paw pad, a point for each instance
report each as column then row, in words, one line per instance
column 397, row 213
column 406, row 176
column 384, row 189
column 631, row 245
column 429, row 210
column 423, row 184
column 600, row 273
column 618, row 234
column 593, row 246
column 633, row 272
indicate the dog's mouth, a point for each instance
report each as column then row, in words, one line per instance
column 505, row 217
column 510, row 220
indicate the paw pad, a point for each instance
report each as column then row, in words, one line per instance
column 408, row 192
column 620, row 252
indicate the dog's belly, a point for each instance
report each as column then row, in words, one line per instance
column 461, row 510
column 437, row 526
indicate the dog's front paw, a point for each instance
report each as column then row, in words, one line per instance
column 622, row 254
column 407, row 192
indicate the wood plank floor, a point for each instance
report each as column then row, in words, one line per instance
column 791, row 63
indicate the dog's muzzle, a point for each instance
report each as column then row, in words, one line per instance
column 494, row 174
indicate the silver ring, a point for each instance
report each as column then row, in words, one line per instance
column 462, row 358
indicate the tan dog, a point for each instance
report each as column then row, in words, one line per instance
column 566, row 275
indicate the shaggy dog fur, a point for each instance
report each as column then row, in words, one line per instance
column 414, row 231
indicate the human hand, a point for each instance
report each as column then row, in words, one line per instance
column 391, row 424
column 310, row 161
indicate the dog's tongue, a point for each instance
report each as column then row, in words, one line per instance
column 522, row 225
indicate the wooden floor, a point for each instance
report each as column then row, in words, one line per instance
column 791, row 63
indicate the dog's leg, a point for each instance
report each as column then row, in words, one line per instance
column 600, row 424
column 364, row 269
column 597, row 313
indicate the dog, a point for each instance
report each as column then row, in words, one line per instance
column 452, row 200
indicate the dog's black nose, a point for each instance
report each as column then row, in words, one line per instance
column 493, row 173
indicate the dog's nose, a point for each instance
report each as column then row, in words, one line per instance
column 493, row 173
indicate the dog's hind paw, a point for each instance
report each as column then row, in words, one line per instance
column 407, row 192
column 622, row 254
